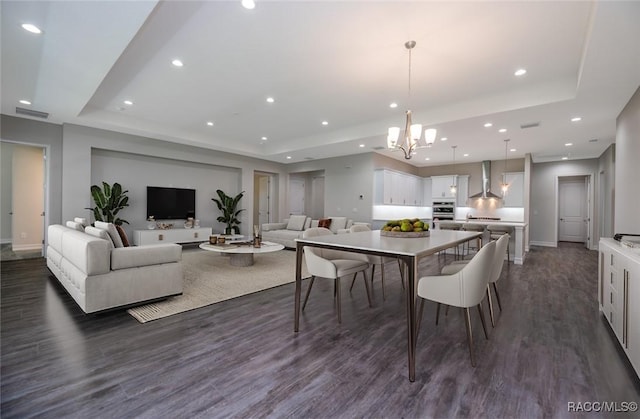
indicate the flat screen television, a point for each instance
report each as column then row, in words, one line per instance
column 170, row 203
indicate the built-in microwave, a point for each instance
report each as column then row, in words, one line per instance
column 444, row 210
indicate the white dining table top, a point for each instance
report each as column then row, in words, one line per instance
column 372, row 241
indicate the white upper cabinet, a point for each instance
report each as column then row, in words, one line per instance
column 395, row 188
column 427, row 200
column 441, row 187
column 515, row 194
column 462, row 194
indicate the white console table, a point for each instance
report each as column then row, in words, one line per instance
column 172, row 235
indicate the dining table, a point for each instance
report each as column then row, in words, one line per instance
column 407, row 249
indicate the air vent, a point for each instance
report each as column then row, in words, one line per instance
column 379, row 148
column 308, row 158
column 29, row 112
column 530, row 125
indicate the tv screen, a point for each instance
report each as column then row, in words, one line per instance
column 170, row 203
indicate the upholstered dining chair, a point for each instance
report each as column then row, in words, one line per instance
column 332, row 264
column 465, row 288
column 376, row 260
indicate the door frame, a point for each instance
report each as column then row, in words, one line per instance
column 46, row 186
column 589, row 206
column 272, row 195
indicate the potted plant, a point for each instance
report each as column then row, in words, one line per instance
column 228, row 205
column 109, row 201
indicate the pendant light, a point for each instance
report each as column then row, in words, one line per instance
column 454, row 188
column 504, row 186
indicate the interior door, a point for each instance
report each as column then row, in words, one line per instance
column 28, row 193
column 264, row 184
column 572, row 200
column 296, row 196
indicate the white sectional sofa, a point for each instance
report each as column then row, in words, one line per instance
column 100, row 276
column 292, row 228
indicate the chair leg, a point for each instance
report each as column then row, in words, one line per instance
column 484, row 325
column 495, row 288
column 353, row 281
column 438, row 313
column 401, row 273
column 419, row 319
column 467, row 323
column 384, row 297
column 493, row 323
column 373, row 272
column 508, row 254
column 366, row 285
column 337, row 288
column 306, row 297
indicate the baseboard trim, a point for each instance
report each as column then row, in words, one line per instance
column 22, row 247
column 545, row 244
column 5, row 241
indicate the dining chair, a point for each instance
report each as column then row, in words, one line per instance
column 376, row 260
column 476, row 228
column 464, row 289
column 332, row 264
column 496, row 231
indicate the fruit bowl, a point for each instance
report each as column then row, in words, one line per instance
column 405, row 234
column 405, row 228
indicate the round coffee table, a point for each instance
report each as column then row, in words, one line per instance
column 241, row 254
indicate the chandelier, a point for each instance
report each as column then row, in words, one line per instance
column 412, row 132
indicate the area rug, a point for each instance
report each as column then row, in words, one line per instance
column 209, row 279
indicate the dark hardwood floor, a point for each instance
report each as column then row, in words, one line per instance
column 240, row 358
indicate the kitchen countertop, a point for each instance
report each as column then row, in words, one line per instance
column 486, row 222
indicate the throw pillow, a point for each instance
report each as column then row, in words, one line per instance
column 123, row 236
column 110, row 228
column 82, row 221
column 324, row 222
column 75, row 226
column 338, row 223
column 97, row 232
column 296, row 222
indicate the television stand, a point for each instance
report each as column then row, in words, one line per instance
column 171, row 235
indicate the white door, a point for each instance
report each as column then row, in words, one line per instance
column 572, row 199
column 296, row 196
column 264, row 184
column 28, row 181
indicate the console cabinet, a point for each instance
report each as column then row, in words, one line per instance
column 619, row 295
column 173, row 235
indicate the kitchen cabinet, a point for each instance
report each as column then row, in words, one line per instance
column 441, row 186
column 515, row 195
column 427, row 201
column 462, row 194
column 395, row 188
column 619, row 295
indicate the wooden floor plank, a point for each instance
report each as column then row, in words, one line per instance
column 240, row 358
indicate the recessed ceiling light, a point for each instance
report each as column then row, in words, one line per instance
column 31, row 28
column 361, row 145
column 427, row 158
column 248, row 4
column 443, row 139
column 502, row 130
column 593, row 140
column 177, row 63
column 393, row 105
column 288, row 157
column 568, row 144
column 270, row 100
column 488, row 125
column 325, row 123
column 210, row 123
column 465, row 155
column 576, row 119
column 512, row 150
column 25, row 102
column 520, row 72
column 128, row 102
column 565, row 158
column 264, row 138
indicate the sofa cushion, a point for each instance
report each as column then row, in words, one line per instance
column 113, row 232
column 75, row 225
column 97, row 232
column 297, row 222
column 324, row 222
column 123, row 236
column 337, row 223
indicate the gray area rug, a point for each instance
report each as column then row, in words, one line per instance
column 209, row 279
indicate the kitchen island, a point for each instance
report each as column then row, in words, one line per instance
column 517, row 239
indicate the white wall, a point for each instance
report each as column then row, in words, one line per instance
column 543, row 204
column 627, row 168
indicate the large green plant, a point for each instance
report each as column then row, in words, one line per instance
column 229, row 207
column 109, row 200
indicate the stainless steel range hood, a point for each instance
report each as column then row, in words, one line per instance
column 486, row 183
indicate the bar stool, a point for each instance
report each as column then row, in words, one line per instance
column 474, row 227
column 497, row 231
column 445, row 225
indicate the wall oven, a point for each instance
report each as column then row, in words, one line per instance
column 444, row 210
